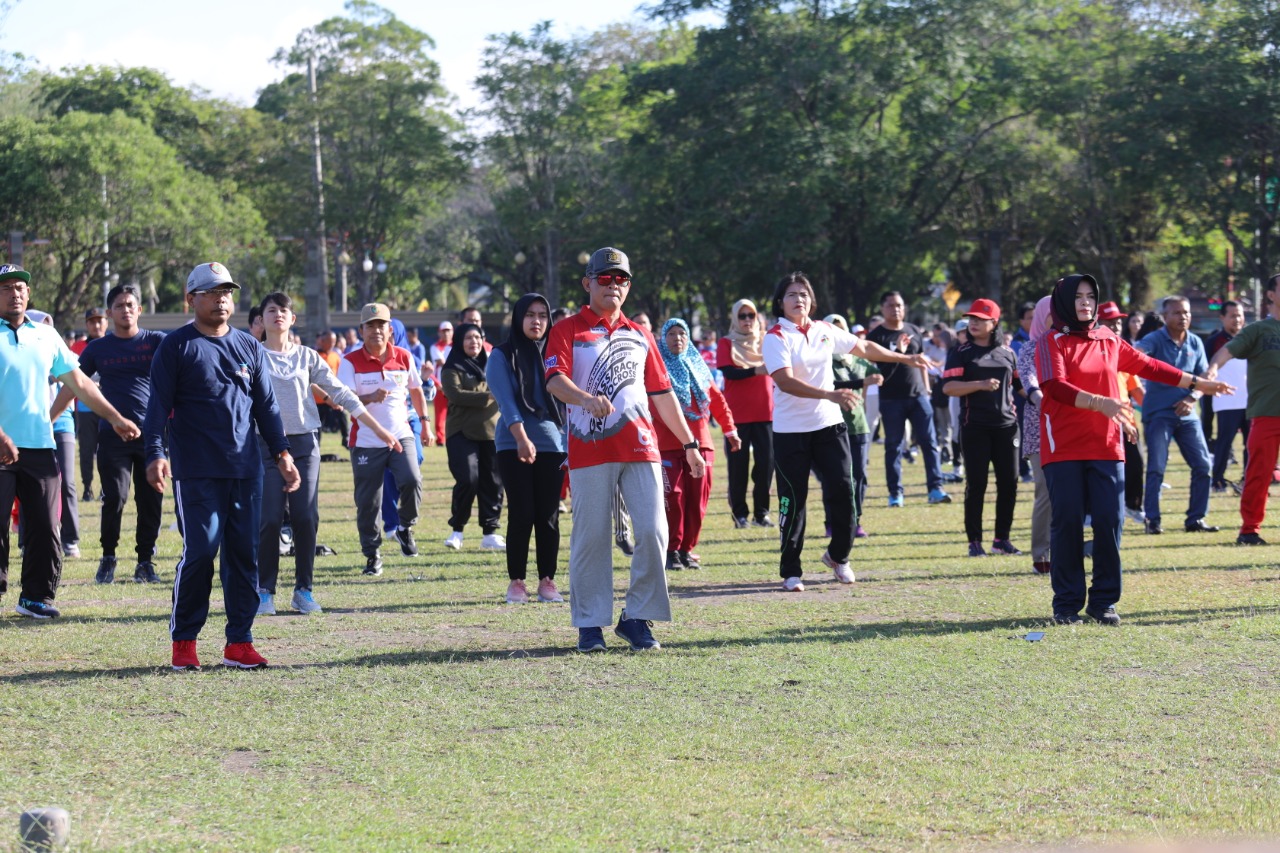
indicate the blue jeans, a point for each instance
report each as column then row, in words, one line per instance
column 1189, row 435
column 894, row 415
column 1073, row 487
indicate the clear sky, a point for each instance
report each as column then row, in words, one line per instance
column 225, row 47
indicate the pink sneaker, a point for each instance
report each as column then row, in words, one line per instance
column 517, row 593
column 547, row 590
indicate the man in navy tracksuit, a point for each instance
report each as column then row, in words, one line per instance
column 208, row 389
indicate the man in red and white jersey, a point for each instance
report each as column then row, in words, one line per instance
column 608, row 372
column 383, row 376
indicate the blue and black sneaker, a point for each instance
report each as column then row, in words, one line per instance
column 590, row 640
column 636, row 632
column 36, row 609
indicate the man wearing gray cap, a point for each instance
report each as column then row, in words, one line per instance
column 30, row 355
column 608, row 372
column 209, row 388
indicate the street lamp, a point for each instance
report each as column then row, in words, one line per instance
column 583, row 257
column 344, row 261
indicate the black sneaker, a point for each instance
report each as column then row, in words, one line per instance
column 1004, row 546
column 146, row 573
column 1067, row 619
column 106, row 570
column 590, row 640
column 673, row 562
column 1106, row 617
column 1199, row 526
column 741, row 523
column 636, row 632
column 689, row 559
column 1250, row 539
column 1153, row 527
column 36, row 609
column 373, row 565
column 975, row 550
column 625, row 545
column 87, row 496
column 407, row 546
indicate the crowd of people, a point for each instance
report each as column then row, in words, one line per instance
column 599, row 408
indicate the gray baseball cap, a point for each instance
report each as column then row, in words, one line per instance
column 208, row 276
column 606, row 259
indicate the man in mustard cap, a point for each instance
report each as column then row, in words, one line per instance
column 386, row 380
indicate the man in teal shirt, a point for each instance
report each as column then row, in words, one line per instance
column 30, row 355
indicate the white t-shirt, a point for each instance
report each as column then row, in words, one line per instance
column 1234, row 372
column 438, row 354
column 808, row 354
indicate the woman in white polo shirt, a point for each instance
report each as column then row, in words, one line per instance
column 809, row 432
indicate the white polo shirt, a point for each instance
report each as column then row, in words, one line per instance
column 808, row 353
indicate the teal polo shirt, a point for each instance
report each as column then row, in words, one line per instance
column 29, row 356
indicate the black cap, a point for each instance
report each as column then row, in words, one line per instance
column 94, row 312
column 606, row 259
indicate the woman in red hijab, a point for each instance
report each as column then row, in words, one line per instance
column 1081, row 453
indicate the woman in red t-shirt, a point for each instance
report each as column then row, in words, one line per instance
column 1081, row 454
column 685, row 495
column 749, row 393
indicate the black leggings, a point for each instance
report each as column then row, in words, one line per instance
column 996, row 447
column 756, row 438
column 533, row 507
column 826, row 452
column 474, row 467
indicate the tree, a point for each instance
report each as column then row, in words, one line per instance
column 388, row 146
column 84, row 181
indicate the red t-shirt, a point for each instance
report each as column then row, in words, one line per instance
column 1069, row 364
column 621, row 362
column 750, row 399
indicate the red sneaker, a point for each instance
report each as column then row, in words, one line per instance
column 184, row 656
column 242, row 656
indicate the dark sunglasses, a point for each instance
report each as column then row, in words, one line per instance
column 609, row 279
column 746, row 316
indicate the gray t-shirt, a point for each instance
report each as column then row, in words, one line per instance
column 292, row 374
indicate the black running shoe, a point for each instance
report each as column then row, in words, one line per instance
column 407, row 546
column 373, row 565
column 146, row 573
column 106, row 570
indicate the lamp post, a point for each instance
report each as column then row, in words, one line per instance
column 344, row 261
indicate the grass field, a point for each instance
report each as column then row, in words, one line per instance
column 904, row 712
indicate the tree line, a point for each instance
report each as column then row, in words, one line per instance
column 874, row 144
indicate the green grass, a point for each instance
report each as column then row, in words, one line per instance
column 901, row 713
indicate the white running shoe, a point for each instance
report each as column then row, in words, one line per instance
column 844, row 574
column 266, row 604
column 492, row 542
column 454, row 541
column 793, row 585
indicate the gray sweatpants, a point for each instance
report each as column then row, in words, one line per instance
column 591, row 543
column 367, row 465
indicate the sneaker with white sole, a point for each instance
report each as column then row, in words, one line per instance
column 184, row 656
column 242, row 656
column 547, row 591
column 793, row 584
column 493, row 542
column 266, row 603
column 517, row 592
column 303, row 602
column 454, row 541
column 843, row 573
column 36, row 609
column 408, row 547
column 70, row 549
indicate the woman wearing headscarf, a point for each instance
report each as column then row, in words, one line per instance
column 1040, row 510
column 530, row 443
column 686, row 496
column 1081, row 417
column 473, row 420
column 749, row 393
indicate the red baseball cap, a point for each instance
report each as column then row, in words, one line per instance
column 1109, row 311
column 984, row 309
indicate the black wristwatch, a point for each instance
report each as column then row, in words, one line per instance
column 693, row 445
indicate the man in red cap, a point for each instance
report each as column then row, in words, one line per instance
column 981, row 373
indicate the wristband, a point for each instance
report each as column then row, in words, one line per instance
column 693, row 445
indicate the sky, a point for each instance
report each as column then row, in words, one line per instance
column 225, row 47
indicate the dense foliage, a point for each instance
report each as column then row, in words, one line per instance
column 875, row 144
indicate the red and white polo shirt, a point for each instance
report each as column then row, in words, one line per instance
column 620, row 362
column 808, row 353
column 364, row 374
